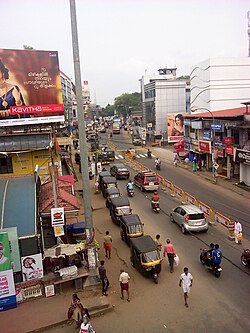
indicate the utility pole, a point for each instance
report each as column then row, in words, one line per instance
column 81, row 124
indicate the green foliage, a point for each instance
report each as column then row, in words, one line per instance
column 128, row 102
column 184, row 77
column 28, row 47
column 109, row 110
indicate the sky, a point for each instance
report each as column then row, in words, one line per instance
column 121, row 39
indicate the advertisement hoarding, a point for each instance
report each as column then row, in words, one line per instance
column 205, row 146
column 5, row 257
column 7, row 290
column 175, row 127
column 32, row 267
column 31, row 87
column 14, row 248
column 57, row 216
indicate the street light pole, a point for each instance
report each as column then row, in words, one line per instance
column 81, row 125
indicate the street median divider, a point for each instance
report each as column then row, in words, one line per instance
column 213, row 216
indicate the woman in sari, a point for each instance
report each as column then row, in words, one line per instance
column 77, row 311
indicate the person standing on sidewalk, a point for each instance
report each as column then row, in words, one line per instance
column 107, row 243
column 158, row 242
column 104, row 279
column 124, row 279
column 186, row 281
column 76, row 311
column 237, row 231
column 169, row 249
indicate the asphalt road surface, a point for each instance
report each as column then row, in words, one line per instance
column 215, row 305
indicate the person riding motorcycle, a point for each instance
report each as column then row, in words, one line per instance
column 149, row 153
column 157, row 161
column 216, row 255
column 209, row 254
column 155, row 198
column 130, row 186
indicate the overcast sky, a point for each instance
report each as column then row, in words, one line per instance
column 120, row 39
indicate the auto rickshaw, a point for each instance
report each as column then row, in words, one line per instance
column 101, row 176
column 119, row 207
column 112, row 193
column 107, row 183
column 111, row 154
column 131, row 227
column 103, row 158
column 130, row 153
column 145, row 257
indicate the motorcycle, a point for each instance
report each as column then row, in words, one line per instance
column 245, row 258
column 216, row 269
column 130, row 192
column 149, row 153
column 155, row 205
column 158, row 166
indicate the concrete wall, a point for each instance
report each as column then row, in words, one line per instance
column 219, row 84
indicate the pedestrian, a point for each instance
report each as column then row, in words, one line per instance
column 76, row 311
column 237, row 231
column 158, row 242
column 104, row 279
column 169, row 249
column 124, row 279
column 107, row 245
column 186, row 281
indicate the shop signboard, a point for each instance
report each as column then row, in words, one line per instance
column 220, row 152
column 59, row 230
column 217, row 127
column 32, row 267
column 14, row 248
column 218, row 143
column 7, row 290
column 229, row 150
column 33, row 88
column 175, row 127
column 242, row 156
column 5, row 255
column 57, row 216
column 205, row 146
column 196, row 124
column 228, row 141
column 206, row 135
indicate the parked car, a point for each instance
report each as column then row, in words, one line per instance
column 190, row 218
column 146, row 181
column 120, row 171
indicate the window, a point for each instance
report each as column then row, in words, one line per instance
column 235, row 134
column 6, row 165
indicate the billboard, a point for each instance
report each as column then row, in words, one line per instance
column 30, row 87
column 14, row 248
column 175, row 127
column 32, row 267
column 5, row 257
column 7, row 290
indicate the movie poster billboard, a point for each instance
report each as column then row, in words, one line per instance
column 5, row 257
column 32, row 267
column 14, row 248
column 175, row 127
column 7, row 291
column 30, row 87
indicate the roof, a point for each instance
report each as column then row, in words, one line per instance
column 131, row 219
column 65, row 198
column 104, row 174
column 18, row 204
column 113, row 190
column 120, row 201
column 143, row 244
column 229, row 113
column 108, row 180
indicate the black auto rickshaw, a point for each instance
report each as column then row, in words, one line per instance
column 145, row 257
column 112, row 193
column 101, row 176
column 111, row 154
column 131, row 227
column 119, row 207
column 107, row 183
column 103, row 158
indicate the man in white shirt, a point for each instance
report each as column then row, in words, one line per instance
column 237, row 231
column 124, row 278
column 186, row 280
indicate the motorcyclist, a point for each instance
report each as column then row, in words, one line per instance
column 149, row 153
column 209, row 254
column 130, row 185
column 216, row 255
column 157, row 161
column 155, row 198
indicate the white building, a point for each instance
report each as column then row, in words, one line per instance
column 219, row 84
column 162, row 94
column 68, row 96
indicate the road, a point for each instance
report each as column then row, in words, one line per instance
column 220, row 305
column 227, row 203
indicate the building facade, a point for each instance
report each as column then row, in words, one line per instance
column 220, row 84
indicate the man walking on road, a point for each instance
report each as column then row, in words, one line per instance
column 124, row 278
column 169, row 249
column 186, row 280
column 107, row 243
column 104, row 279
column 237, row 231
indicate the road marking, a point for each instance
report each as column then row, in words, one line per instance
column 121, row 156
column 153, row 155
column 116, row 157
column 138, row 156
column 142, row 155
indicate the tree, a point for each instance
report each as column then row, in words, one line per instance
column 28, row 47
column 109, row 110
column 128, row 102
column 184, row 77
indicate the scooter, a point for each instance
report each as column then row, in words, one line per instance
column 216, row 269
column 130, row 192
column 155, row 205
column 245, row 258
